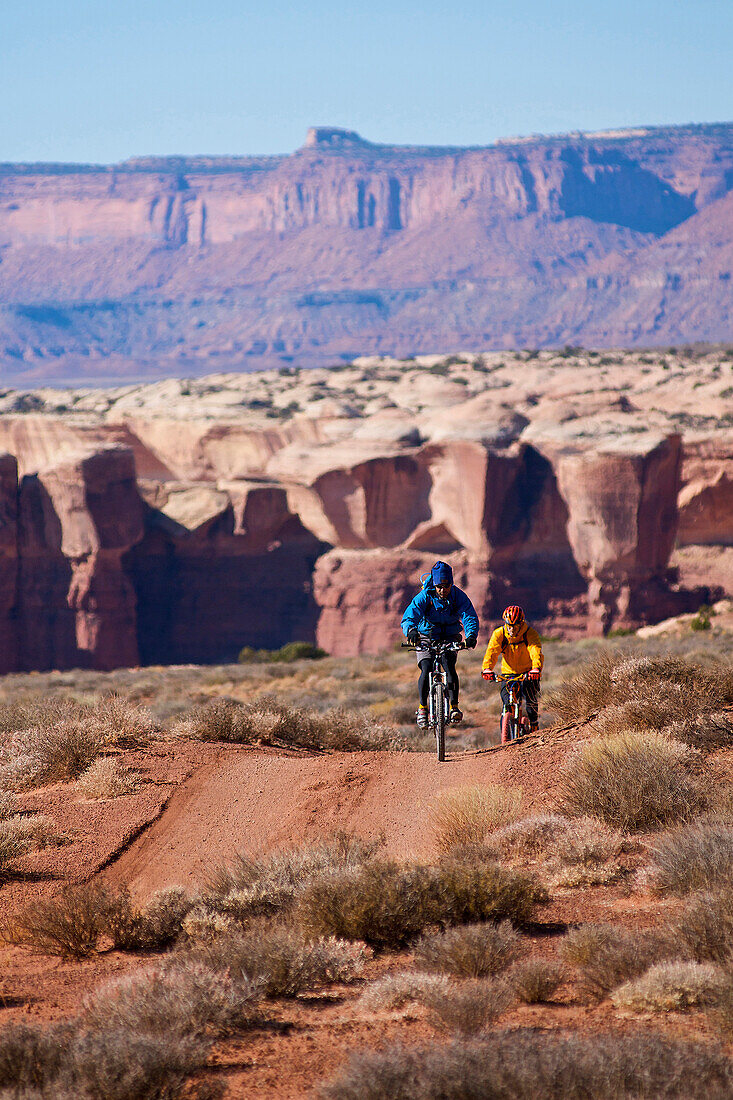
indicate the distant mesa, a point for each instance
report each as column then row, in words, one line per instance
column 332, row 137
column 194, row 265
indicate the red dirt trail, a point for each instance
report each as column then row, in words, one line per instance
column 253, row 800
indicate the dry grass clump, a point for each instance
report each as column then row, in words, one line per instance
column 268, row 721
column 387, row 905
column 675, row 986
column 696, row 857
column 181, row 996
column 535, row 980
column 105, row 779
column 633, row 782
column 607, row 955
column 251, row 886
column 468, row 815
column 394, row 991
column 31, row 1055
column 284, row 961
column 705, row 926
column 64, row 1062
column 60, row 738
column 527, row 1064
column 20, row 835
column 585, row 693
column 587, row 854
column 646, row 693
column 469, row 951
column 468, row 1007
column 123, row 1065
column 152, row 928
column 68, row 925
column 530, row 838
column 705, row 732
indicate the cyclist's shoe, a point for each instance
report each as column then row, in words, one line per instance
column 533, row 728
column 422, row 717
column 456, row 715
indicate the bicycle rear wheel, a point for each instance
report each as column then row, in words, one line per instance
column 439, row 712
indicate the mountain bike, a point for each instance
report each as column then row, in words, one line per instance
column 438, row 702
column 514, row 722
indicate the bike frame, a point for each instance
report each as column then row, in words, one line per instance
column 518, row 724
column 438, row 704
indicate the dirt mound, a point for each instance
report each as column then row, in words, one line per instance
column 256, row 800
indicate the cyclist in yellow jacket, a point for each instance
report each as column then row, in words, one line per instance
column 520, row 649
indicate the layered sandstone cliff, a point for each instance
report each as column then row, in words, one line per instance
column 181, row 521
column 186, row 265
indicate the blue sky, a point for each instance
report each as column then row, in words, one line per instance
column 94, row 80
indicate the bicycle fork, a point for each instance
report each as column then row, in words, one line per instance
column 439, row 678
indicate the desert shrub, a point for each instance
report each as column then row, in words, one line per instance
column 705, row 926
column 397, row 990
column 20, row 835
column 587, row 854
column 250, row 886
column 634, row 782
column 267, row 721
column 587, row 842
column 535, row 980
column 59, row 738
column 387, row 905
column 284, row 961
column 468, row 1006
column 179, row 996
column 705, row 732
column 467, row 815
column 123, row 1065
column 203, row 924
column 585, row 693
column 154, row 927
column 672, row 987
column 469, row 951
column 31, row 1055
column 381, row 903
column 123, row 722
column 469, row 892
column 105, row 779
column 292, row 651
column 69, row 924
column 647, row 692
column 607, row 955
column 527, row 1064
column 696, row 857
column 530, row 837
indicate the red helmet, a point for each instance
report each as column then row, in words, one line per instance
column 513, row 615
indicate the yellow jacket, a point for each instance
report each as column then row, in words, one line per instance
column 519, row 656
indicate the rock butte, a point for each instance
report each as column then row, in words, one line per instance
column 184, row 265
column 179, row 521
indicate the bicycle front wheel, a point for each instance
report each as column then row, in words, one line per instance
column 439, row 712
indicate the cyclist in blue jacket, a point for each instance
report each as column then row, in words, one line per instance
column 438, row 613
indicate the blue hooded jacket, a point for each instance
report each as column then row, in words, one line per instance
column 440, row 618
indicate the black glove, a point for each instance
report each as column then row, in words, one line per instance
column 471, row 640
column 413, row 635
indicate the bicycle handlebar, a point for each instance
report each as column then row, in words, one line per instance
column 502, row 677
column 437, row 647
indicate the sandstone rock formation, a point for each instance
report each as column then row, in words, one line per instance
column 180, row 521
column 183, row 266
column 76, row 606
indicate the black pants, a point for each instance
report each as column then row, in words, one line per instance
column 452, row 683
column 530, row 692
